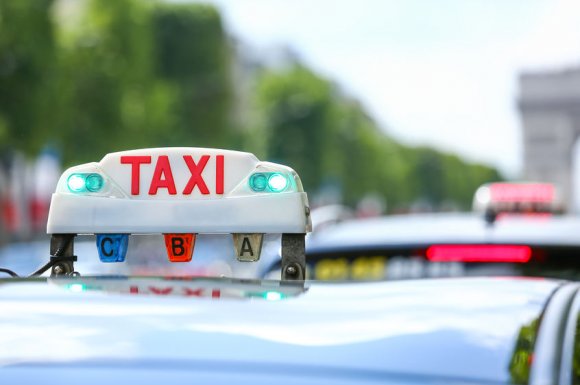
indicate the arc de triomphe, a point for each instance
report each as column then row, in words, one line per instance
column 549, row 104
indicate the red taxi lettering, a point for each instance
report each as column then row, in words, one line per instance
column 162, row 169
column 215, row 293
column 196, row 179
column 186, row 292
column 219, row 174
column 135, row 162
column 192, row 293
column 160, row 291
column 163, row 175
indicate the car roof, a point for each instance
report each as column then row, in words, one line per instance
column 379, row 329
column 425, row 229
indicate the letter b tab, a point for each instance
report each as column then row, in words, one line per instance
column 179, row 246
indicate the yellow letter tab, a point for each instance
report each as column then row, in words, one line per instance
column 179, row 246
column 248, row 246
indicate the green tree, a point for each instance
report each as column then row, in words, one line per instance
column 27, row 64
column 112, row 100
column 193, row 56
column 131, row 74
column 330, row 140
column 297, row 109
column 137, row 74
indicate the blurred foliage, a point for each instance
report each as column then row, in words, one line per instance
column 27, row 67
column 92, row 77
column 193, row 54
column 521, row 361
column 126, row 74
column 330, row 139
column 108, row 87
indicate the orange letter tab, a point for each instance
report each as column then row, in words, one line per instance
column 179, row 246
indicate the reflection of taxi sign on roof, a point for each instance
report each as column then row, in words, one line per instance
column 517, row 198
column 185, row 287
column 181, row 192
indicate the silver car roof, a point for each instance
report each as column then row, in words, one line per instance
column 447, row 329
column 421, row 229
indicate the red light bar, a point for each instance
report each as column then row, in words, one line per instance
column 526, row 192
column 479, row 253
column 535, row 216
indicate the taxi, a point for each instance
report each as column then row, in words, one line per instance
column 515, row 229
column 61, row 324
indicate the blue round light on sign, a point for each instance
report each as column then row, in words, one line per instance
column 81, row 182
column 76, row 183
column 94, row 182
column 258, row 182
column 277, row 182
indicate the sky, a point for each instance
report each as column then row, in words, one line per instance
column 440, row 73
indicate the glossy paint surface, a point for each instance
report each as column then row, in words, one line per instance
column 447, row 329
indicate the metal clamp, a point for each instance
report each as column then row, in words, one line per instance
column 293, row 257
column 62, row 256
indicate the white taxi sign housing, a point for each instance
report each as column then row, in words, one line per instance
column 179, row 190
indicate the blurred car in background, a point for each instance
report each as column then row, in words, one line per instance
column 515, row 230
column 329, row 215
column 444, row 245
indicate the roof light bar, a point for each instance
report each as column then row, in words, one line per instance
column 526, row 192
column 180, row 192
column 82, row 182
column 269, row 182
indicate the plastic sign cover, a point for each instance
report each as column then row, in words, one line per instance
column 178, row 190
column 183, row 287
column 523, row 197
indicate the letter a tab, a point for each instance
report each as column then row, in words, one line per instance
column 179, row 246
column 248, row 246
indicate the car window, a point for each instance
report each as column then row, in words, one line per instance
column 570, row 368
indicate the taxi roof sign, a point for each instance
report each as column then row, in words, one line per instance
column 177, row 190
column 517, row 198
